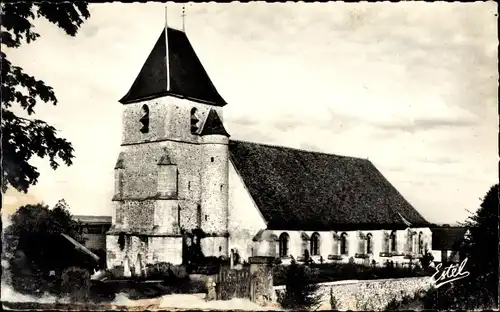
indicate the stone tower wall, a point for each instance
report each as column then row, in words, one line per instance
column 214, row 195
column 149, row 199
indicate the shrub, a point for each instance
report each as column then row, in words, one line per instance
column 36, row 229
column 426, row 259
column 34, row 283
column 208, row 265
column 452, row 296
column 300, row 291
column 166, row 271
column 76, row 283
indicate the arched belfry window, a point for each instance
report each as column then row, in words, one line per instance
column 284, row 240
column 145, row 119
column 343, row 244
column 315, row 243
column 194, row 120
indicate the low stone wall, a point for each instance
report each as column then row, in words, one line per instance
column 369, row 294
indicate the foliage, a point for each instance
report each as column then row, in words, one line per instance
column 301, row 291
column 76, row 284
column 481, row 250
column 33, row 246
column 36, row 230
column 23, row 138
column 166, row 271
column 33, row 282
column 426, row 259
column 479, row 290
column 208, row 265
column 330, row 272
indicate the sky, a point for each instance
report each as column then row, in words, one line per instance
column 410, row 86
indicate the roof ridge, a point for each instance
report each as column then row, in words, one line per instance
column 300, row 149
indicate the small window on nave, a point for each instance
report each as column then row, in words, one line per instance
column 369, row 243
column 393, row 241
column 284, row 241
column 315, row 244
column 343, row 244
column 420, row 243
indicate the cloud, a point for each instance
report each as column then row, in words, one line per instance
column 439, row 160
column 425, row 124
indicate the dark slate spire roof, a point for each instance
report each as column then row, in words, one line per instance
column 184, row 71
column 213, row 125
column 301, row 190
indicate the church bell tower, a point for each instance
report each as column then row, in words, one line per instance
column 171, row 176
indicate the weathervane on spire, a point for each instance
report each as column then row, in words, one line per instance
column 183, row 15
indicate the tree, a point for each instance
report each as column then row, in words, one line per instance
column 481, row 248
column 300, row 292
column 24, row 137
column 36, row 231
column 34, row 245
column 479, row 290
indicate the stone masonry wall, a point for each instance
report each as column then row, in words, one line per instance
column 141, row 176
column 136, row 215
column 368, row 295
column 152, row 250
column 136, row 207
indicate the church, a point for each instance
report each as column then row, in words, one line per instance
column 179, row 172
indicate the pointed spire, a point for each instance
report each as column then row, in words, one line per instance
column 173, row 68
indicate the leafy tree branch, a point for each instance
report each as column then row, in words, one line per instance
column 23, row 138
